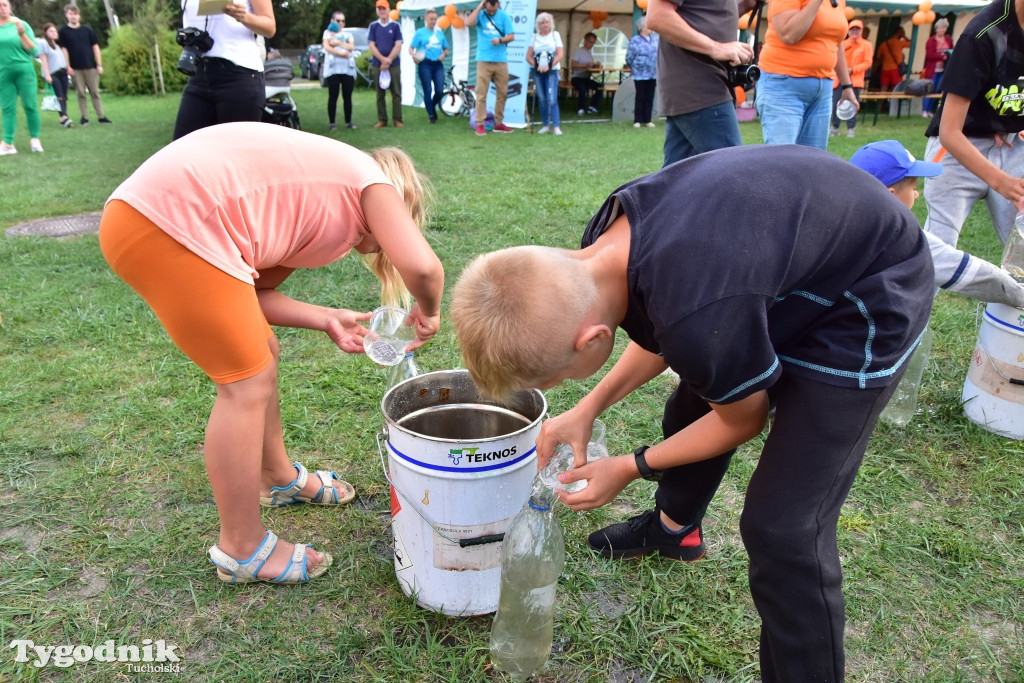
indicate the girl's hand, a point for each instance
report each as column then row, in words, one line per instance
column 344, row 329
column 606, row 477
column 426, row 326
column 48, row 78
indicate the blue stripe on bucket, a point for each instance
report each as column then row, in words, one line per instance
column 445, row 468
column 1015, row 328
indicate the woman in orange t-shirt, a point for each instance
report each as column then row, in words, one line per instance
column 802, row 54
column 205, row 231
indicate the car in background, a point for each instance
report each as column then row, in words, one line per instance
column 312, row 62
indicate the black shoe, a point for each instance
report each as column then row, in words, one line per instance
column 643, row 535
column 432, row 119
column 104, row 120
column 84, row 122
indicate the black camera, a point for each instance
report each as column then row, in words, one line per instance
column 194, row 42
column 742, row 75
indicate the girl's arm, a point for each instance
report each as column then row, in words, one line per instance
column 403, row 243
column 340, row 324
column 44, row 67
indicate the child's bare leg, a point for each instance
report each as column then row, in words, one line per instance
column 277, row 469
column 234, row 442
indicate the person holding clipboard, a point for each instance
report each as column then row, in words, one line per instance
column 226, row 81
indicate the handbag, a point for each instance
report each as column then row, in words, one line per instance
column 902, row 68
column 50, row 102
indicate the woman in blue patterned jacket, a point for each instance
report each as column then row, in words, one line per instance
column 642, row 58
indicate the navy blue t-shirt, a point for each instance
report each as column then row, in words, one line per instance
column 384, row 37
column 750, row 259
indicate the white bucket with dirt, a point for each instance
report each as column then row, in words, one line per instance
column 460, row 468
column 994, row 390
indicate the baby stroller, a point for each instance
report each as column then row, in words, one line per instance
column 280, row 107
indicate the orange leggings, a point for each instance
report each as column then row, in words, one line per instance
column 214, row 318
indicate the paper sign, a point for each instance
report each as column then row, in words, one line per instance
column 207, row 7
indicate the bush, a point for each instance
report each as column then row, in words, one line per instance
column 129, row 63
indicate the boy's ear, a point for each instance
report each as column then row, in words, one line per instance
column 892, row 188
column 591, row 332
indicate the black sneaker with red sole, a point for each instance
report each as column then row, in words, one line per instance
column 643, row 535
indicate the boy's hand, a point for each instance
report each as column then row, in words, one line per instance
column 572, row 427
column 344, row 329
column 606, row 478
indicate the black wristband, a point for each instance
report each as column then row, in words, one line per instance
column 846, row 87
column 641, row 464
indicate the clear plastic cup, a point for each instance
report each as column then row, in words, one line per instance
column 388, row 336
column 845, row 110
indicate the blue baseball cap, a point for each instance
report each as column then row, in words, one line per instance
column 890, row 162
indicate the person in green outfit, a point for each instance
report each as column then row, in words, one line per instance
column 17, row 79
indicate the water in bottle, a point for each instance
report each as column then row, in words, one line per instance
column 903, row 404
column 1013, row 253
column 532, row 555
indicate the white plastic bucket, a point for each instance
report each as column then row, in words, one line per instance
column 460, row 468
column 994, row 389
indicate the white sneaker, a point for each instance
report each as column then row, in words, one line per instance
column 35, row 145
column 850, row 133
column 7, row 149
column 636, row 125
column 650, row 124
column 581, row 112
column 543, row 130
column 832, row 132
column 558, row 131
column 592, row 110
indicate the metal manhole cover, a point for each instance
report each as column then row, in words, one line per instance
column 62, row 226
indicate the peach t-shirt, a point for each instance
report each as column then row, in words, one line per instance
column 814, row 55
column 250, row 196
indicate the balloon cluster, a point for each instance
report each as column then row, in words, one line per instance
column 451, row 18
column 597, row 18
column 924, row 14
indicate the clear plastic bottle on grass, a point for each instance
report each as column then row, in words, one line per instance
column 1013, row 253
column 532, row 556
column 406, row 369
column 903, row 404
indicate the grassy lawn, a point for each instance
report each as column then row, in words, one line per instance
column 106, row 514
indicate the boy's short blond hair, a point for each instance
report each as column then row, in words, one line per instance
column 516, row 314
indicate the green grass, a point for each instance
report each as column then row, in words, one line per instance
column 105, row 511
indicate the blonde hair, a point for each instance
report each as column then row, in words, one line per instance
column 542, row 16
column 416, row 194
column 516, row 314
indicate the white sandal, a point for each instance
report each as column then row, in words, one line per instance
column 327, row 494
column 230, row 570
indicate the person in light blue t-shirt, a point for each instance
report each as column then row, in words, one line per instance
column 429, row 47
column 493, row 34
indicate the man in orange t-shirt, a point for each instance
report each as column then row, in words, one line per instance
column 891, row 54
column 858, row 53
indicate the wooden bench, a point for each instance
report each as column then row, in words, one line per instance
column 879, row 97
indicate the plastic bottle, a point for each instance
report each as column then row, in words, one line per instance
column 532, row 555
column 903, row 404
column 1013, row 253
column 562, row 461
column 406, row 369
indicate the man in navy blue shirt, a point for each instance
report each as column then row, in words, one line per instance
column 781, row 290
column 385, row 40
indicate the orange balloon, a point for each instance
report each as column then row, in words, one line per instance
column 849, row 13
column 450, row 11
column 925, row 5
column 642, row 4
column 444, row 22
column 745, row 21
column 393, row 14
column 929, row 16
column 918, row 18
column 597, row 23
column 398, row 5
column 457, row 22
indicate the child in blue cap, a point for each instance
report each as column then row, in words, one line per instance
column 955, row 270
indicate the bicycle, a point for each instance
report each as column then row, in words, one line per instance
column 458, row 98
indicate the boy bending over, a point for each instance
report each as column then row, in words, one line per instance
column 784, row 291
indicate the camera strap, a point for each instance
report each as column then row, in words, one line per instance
column 205, row 28
column 755, row 26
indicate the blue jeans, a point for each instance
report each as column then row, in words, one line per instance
column 927, row 104
column 701, row 131
column 546, row 89
column 794, row 110
column 431, row 74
